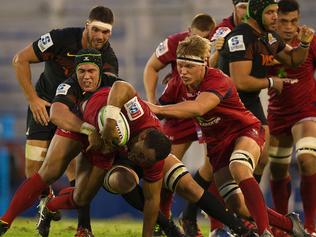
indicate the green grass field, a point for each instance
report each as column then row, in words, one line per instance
column 23, row 227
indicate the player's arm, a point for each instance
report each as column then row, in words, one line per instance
column 205, row 102
column 151, row 207
column 151, row 71
column 295, row 56
column 21, row 63
column 120, row 93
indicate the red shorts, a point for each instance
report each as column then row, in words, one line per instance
column 180, row 131
column 103, row 161
column 282, row 124
column 220, row 152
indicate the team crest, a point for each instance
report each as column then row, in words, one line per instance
column 236, row 43
column 45, row 42
column 162, row 48
column 134, row 109
column 62, row 89
column 271, row 39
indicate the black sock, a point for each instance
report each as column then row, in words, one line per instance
column 136, row 199
column 213, row 207
column 190, row 211
column 257, row 177
column 84, row 220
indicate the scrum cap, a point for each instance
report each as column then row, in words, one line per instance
column 256, row 8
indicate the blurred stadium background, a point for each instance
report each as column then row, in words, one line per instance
column 139, row 26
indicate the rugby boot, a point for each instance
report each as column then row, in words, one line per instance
column 43, row 225
column 173, row 230
column 220, row 232
column 42, row 204
column 83, row 232
column 158, row 232
column 190, row 228
column 3, row 227
column 297, row 229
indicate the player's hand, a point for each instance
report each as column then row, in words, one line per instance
column 95, row 141
column 218, row 43
column 277, row 84
column 109, row 133
column 38, row 108
column 154, row 108
column 306, row 34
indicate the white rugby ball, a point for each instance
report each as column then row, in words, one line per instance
column 122, row 126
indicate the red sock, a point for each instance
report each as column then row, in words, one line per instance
column 308, row 194
column 166, row 202
column 215, row 224
column 255, row 203
column 63, row 200
column 280, row 221
column 25, row 196
column 281, row 191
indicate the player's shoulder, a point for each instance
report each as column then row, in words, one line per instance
column 69, row 32
column 178, row 36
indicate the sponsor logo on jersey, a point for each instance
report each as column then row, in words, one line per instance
column 134, row 109
column 267, row 60
column 208, row 122
column 162, row 48
column 62, row 89
column 45, row 42
column 220, row 32
column 271, row 39
column 236, row 43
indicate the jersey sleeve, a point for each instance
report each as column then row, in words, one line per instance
column 312, row 49
column 48, row 45
column 168, row 94
column 239, row 47
column 218, row 84
column 166, row 51
column 154, row 172
column 281, row 43
column 68, row 92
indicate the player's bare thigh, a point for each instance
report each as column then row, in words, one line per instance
column 60, row 152
column 179, row 149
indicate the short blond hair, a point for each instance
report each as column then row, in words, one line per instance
column 194, row 45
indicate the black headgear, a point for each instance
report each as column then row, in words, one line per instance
column 89, row 55
column 256, row 8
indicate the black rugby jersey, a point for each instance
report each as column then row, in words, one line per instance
column 70, row 93
column 57, row 48
column 246, row 44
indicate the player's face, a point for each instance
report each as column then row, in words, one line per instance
column 288, row 25
column 88, row 76
column 203, row 34
column 97, row 36
column 191, row 74
column 240, row 11
column 141, row 155
column 270, row 17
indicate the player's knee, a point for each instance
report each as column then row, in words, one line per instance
column 306, row 146
column 280, row 159
column 239, row 160
column 173, row 176
column 229, row 189
column 120, row 180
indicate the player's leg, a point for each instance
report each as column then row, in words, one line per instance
column 264, row 156
column 53, row 167
column 177, row 178
column 280, row 152
column 304, row 135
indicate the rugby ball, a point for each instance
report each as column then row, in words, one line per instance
column 122, row 126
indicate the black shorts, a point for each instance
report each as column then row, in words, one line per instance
column 35, row 131
column 253, row 104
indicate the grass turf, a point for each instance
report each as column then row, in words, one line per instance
column 25, row 227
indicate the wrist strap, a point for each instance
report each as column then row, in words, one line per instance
column 271, row 82
column 112, row 112
column 87, row 128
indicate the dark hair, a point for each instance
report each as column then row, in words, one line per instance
column 159, row 142
column 286, row 6
column 101, row 13
column 203, row 22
